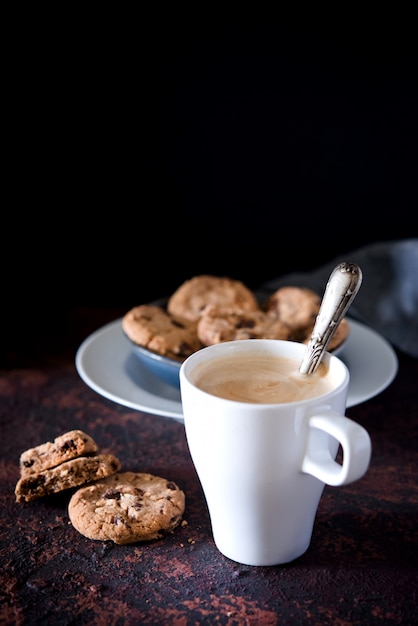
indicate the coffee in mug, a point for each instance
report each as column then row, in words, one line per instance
column 261, row 378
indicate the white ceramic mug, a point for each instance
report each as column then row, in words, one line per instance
column 263, row 466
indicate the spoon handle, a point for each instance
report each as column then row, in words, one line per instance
column 342, row 287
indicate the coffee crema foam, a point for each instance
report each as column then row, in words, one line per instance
column 261, row 379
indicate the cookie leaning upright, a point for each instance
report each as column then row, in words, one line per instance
column 193, row 296
column 127, row 507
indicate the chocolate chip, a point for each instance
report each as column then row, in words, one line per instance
column 177, row 323
column 35, row 482
column 28, row 463
column 68, row 445
column 171, row 485
column 111, row 494
column 184, row 349
column 118, row 519
column 245, row 323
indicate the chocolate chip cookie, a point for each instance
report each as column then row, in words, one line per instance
column 218, row 325
column 127, row 507
column 295, row 306
column 73, row 473
column 193, row 296
column 298, row 307
column 68, row 446
column 154, row 328
column 340, row 335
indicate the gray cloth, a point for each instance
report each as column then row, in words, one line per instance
column 387, row 300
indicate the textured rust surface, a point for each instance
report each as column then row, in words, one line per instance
column 361, row 567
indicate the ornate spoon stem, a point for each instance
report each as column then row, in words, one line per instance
column 342, row 287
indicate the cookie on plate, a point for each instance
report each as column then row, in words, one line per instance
column 295, row 306
column 152, row 327
column 298, row 307
column 127, row 507
column 218, row 325
column 193, row 296
column 340, row 335
column 68, row 446
column 73, row 473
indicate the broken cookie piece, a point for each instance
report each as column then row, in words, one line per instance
column 73, row 473
column 68, row 446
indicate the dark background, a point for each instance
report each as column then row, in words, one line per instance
column 139, row 161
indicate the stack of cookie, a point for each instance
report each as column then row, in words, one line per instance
column 124, row 507
column 209, row 309
column 70, row 460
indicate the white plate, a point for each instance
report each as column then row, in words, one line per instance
column 106, row 363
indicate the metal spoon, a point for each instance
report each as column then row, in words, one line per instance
column 342, row 287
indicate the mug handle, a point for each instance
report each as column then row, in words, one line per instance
column 356, row 446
